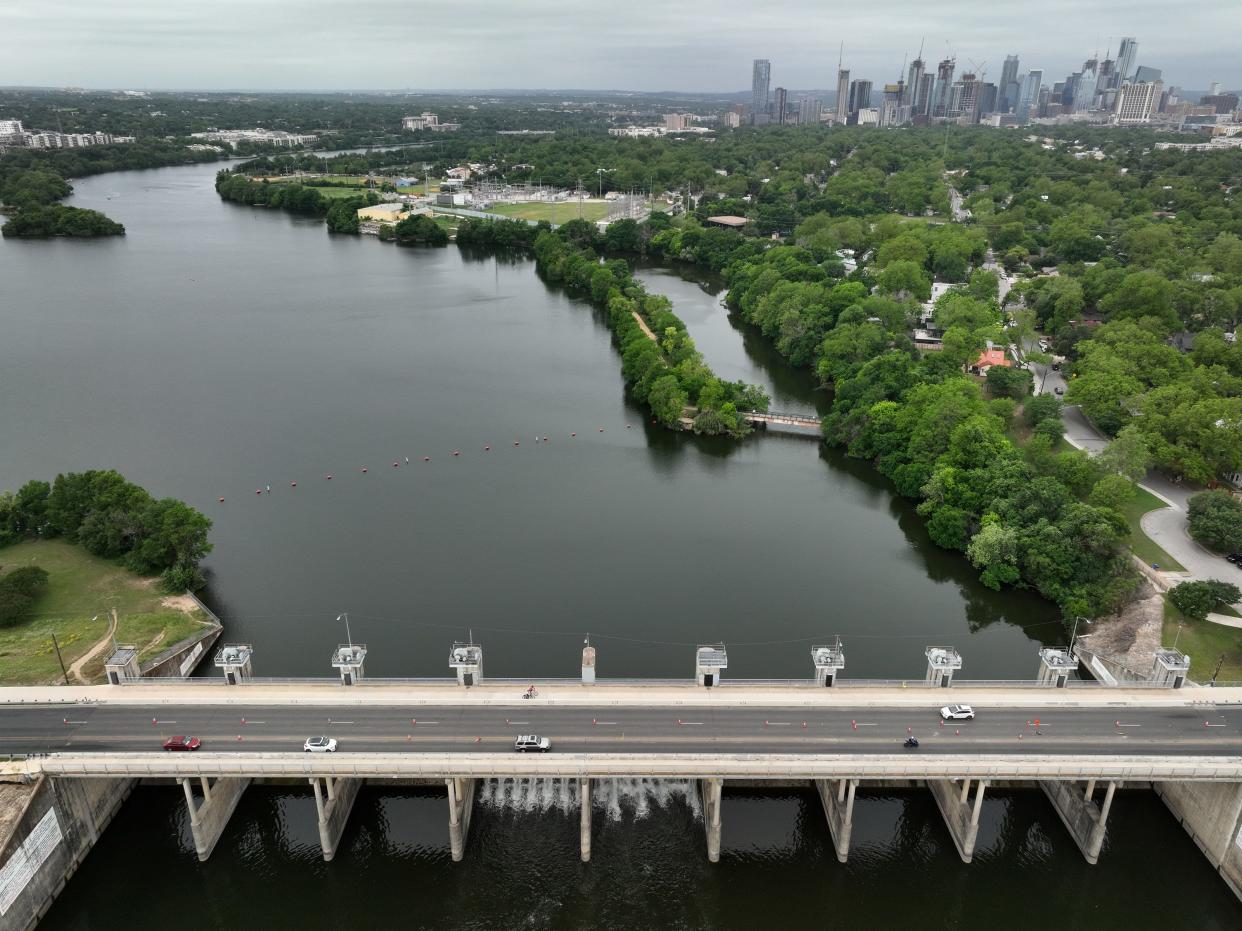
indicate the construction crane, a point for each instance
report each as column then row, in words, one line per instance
column 979, row 68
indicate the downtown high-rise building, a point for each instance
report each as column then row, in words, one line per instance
column 761, row 75
column 1028, row 96
column 1127, row 55
column 780, row 105
column 1136, row 102
column 942, row 92
column 843, row 93
column 860, row 96
column 922, row 95
column 913, row 76
column 1008, row 87
column 809, row 110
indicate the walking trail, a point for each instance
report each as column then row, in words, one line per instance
column 103, row 644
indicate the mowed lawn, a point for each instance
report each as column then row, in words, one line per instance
column 1205, row 643
column 553, row 213
column 1144, row 547
column 75, row 606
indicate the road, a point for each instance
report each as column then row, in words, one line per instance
column 1156, row 730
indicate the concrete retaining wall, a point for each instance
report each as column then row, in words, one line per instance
column 181, row 659
column 1211, row 813
column 62, row 820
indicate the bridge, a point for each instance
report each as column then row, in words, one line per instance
column 85, row 748
column 798, row 422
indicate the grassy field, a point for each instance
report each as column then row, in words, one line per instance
column 82, row 587
column 334, row 191
column 553, row 213
column 1144, row 547
column 1205, row 642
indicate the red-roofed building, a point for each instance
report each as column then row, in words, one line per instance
column 990, row 357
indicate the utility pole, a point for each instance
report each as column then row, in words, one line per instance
column 348, row 636
column 64, row 672
column 1220, row 662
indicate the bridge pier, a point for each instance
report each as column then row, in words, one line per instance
column 961, row 816
column 1211, row 813
column 209, row 817
column 1083, row 818
column 334, row 799
column 584, row 829
column 710, row 790
column 461, row 803
column 839, row 809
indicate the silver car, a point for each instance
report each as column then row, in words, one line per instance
column 320, row 745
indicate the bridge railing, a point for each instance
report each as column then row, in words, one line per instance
column 727, row 684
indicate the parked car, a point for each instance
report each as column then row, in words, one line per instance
column 531, row 743
column 182, row 743
column 320, row 745
column 957, row 713
column 1058, row 390
column 1235, row 558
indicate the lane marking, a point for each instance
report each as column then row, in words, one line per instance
column 330, row 721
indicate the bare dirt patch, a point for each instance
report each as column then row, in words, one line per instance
column 1132, row 636
column 180, row 603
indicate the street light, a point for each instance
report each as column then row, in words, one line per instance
column 601, row 172
column 348, row 636
column 1074, row 635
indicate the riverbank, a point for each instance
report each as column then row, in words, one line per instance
column 76, row 609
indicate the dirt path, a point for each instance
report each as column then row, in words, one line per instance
column 646, row 329
column 76, row 668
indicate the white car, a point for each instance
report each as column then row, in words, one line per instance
column 957, row 713
column 531, row 743
column 320, row 745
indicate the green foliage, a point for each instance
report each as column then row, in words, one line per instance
column 43, row 222
column 1114, row 492
column 1198, row 599
column 109, row 517
column 18, row 590
column 1216, row 521
column 420, row 230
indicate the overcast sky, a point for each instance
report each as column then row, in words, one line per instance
column 637, row 44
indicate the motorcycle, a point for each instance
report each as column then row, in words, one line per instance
column 912, row 743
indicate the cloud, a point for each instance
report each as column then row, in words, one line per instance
column 639, row 45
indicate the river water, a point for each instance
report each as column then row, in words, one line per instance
column 219, row 349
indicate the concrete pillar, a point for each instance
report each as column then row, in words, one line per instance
column 584, row 830
column 1211, row 813
column 839, row 808
column 961, row 818
column 209, row 817
column 334, row 799
column 1085, row 820
column 461, row 802
column 710, row 790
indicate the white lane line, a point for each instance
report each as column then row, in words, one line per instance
column 330, row 721
column 424, row 723
column 690, row 723
column 253, row 722
column 604, row 723
column 1119, row 724
column 523, row 723
column 777, row 724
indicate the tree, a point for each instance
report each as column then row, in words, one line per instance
column 1114, row 492
column 1127, row 454
column 1216, row 521
column 1198, row 599
column 994, row 549
column 904, row 279
column 420, row 230
column 18, row 590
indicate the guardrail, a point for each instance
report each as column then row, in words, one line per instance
column 726, row 685
column 580, row 765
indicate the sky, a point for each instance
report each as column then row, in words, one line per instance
column 644, row 45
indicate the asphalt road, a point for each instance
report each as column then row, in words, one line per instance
column 1159, row 731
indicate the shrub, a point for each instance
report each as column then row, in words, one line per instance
column 1216, row 521
column 1198, row 599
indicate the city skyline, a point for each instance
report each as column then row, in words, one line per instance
column 558, row 45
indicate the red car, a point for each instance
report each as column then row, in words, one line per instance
column 182, row 743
